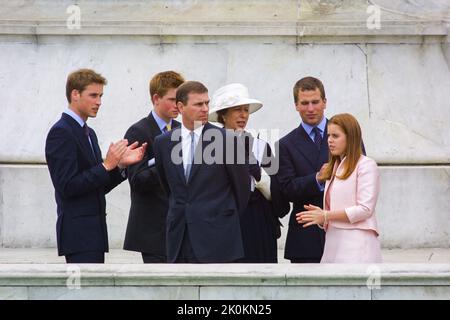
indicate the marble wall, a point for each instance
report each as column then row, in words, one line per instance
column 395, row 80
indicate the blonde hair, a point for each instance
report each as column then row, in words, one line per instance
column 353, row 150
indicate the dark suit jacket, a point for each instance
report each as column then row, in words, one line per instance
column 80, row 182
column 146, row 229
column 208, row 205
column 300, row 160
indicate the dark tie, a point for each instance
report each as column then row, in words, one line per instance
column 317, row 137
column 86, row 132
column 191, row 157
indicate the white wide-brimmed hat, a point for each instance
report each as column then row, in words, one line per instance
column 231, row 95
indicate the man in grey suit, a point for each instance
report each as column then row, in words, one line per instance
column 206, row 193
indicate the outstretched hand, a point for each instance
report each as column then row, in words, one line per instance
column 132, row 154
column 313, row 215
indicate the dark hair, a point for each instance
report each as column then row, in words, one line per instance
column 189, row 87
column 220, row 115
column 163, row 82
column 353, row 150
column 80, row 79
column 308, row 84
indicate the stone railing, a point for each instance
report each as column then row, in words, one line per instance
column 225, row 282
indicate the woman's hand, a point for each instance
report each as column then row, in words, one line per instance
column 313, row 215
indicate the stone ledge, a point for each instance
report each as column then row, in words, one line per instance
column 226, row 274
column 237, row 18
column 224, row 28
column 225, row 282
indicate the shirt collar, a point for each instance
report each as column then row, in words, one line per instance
column 185, row 131
column 160, row 122
column 76, row 117
column 308, row 128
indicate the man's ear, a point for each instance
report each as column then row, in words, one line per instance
column 324, row 102
column 75, row 95
column 155, row 98
column 180, row 106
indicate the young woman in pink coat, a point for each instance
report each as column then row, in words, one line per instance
column 351, row 193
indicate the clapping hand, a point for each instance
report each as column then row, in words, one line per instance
column 132, row 154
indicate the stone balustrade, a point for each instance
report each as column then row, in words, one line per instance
column 225, row 282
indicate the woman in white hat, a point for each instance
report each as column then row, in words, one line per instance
column 231, row 106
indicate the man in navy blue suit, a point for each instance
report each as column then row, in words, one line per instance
column 303, row 154
column 207, row 185
column 80, row 176
column 146, row 229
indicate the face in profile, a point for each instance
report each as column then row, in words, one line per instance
column 87, row 102
column 311, row 106
column 236, row 118
column 337, row 140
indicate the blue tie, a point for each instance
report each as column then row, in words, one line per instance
column 317, row 137
column 191, row 157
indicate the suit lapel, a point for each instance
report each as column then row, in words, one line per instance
column 172, row 144
column 307, row 147
column 95, row 146
column 198, row 158
column 81, row 137
column 328, row 183
column 154, row 128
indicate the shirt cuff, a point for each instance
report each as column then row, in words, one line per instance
column 320, row 185
column 151, row 162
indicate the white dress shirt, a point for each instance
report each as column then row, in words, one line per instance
column 186, row 142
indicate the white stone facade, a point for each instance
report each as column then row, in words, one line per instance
column 395, row 80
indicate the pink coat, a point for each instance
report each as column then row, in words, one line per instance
column 357, row 195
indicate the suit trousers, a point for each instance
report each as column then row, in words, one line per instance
column 186, row 254
column 153, row 258
column 86, row 257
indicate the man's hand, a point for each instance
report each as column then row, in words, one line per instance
column 133, row 154
column 114, row 154
column 321, row 172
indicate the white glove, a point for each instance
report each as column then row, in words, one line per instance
column 263, row 185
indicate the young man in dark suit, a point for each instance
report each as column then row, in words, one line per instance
column 146, row 229
column 303, row 153
column 207, row 186
column 80, row 177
